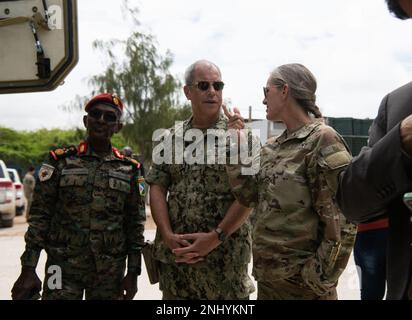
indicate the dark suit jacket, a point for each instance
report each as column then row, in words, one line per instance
column 375, row 182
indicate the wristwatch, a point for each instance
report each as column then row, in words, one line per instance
column 221, row 235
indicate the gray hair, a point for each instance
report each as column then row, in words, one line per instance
column 302, row 85
column 190, row 71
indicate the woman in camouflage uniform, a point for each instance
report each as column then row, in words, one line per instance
column 301, row 241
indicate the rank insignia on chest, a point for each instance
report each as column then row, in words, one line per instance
column 140, row 183
column 59, row 152
column 82, row 148
column 46, row 172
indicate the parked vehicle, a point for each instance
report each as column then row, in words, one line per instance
column 7, row 197
column 20, row 198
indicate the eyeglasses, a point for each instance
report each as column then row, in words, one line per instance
column 265, row 91
column 205, row 85
column 108, row 116
column 279, row 85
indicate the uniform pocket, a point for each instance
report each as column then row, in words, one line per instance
column 119, row 185
column 116, row 195
column 73, row 187
column 115, row 243
column 216, row 179
column 73, row 180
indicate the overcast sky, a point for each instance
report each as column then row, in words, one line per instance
column 355, row 48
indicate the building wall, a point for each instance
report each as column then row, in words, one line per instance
column 354, row 131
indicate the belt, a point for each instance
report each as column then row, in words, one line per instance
column 375, row 225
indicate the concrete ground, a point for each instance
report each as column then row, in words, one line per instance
column 12, row 246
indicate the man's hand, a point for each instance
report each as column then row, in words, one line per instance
column 174, row 241
column 27, row 285
column 129, row 285
column 235, row 120
column 203, row 243
column 406, row 135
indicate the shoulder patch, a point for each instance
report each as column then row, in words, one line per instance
column 61, row 153
column 46, row 172
column 53, row 155
column 337, row 159
column 117, row 154
column 141, row 185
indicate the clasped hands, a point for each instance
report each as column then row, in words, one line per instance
column 191, row 248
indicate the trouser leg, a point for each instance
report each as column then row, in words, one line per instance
column 61, row 284
column 370, row 258
column 107, row 284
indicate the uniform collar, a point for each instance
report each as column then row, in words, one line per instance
column 301, row 133
column 84, row 149
column 221, row 123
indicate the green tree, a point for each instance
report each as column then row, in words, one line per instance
column 25, row 148
column 143, row 81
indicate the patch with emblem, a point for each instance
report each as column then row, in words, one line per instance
column 46, row 172
column 82, row 147
column 117, row 154
column 115, row 100
column 59, row 152
column 338, row 159
column 141, row 184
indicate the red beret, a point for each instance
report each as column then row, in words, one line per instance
column 106, row 98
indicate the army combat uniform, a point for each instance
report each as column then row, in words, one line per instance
column 301, row 241
column 88, row 215
column 199, row 196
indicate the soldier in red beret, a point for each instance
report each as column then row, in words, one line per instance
column 88, row 214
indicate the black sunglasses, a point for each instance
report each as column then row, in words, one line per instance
column 205, row 85
column 265, row 91
column 108, row 116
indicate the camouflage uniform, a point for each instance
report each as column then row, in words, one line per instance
column 89, row 216
column 301, row 241
column 199, row 197
column 29, row 183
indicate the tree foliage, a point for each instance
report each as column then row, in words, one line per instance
column 22, row 149
column 140, row 75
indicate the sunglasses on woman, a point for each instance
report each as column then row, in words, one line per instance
column 265, row 91
column 205, row 85
column 108, row 116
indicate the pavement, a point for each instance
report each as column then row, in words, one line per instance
column 12, row 246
